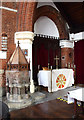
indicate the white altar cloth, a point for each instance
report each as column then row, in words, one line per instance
column 61, row 78
column 44, row 77
column 76, row 94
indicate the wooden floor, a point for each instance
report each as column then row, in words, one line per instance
column 52, row 109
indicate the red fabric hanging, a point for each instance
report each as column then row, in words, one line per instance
column 79, row 61
column 42, row 56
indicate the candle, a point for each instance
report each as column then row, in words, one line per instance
column 51, row 67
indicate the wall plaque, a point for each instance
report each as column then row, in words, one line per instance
column 4, row 42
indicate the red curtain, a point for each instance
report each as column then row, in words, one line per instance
column 44, row 52
column 51, row 57
column 79, row 61
column 42, row 56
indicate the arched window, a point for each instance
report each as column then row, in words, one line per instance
column 4, row 42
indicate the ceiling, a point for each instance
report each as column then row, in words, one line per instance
column 73, row 12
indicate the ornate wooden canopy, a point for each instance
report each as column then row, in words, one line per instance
column 18, row 60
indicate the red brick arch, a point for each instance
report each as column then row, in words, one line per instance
column 28, row 14
column 55, row 16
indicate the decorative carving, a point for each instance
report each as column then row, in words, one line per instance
column 17, row 75
column 17, row 60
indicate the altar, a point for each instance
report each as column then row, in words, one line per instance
column 56, row 79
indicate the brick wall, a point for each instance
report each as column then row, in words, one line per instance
column 9, row 26
column 0, row 42
column 25, row 16
column 3, row 63
column 68, row 54
column 12, row 5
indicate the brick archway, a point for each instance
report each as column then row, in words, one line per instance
column 28, row 14
column 55, row 16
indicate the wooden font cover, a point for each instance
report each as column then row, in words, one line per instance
column 17, row 60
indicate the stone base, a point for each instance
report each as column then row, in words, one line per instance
column 33, row 98
column 18, row 105
column 16, row 98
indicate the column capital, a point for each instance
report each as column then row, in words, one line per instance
column 66, row 44
column 24, row 36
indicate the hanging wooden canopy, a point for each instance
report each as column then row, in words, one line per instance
column 18, row 60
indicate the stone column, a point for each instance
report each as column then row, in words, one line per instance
column 67, row 53
column 7, row 91
column 11, row 92
column 25, row 39
column 26, row 90
column 7, row 88
column 2, row 88
column 19, row 92
column 32, row 88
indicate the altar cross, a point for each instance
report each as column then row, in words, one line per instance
column 56, row 61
